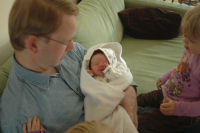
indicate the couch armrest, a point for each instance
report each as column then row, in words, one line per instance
column 179, row 8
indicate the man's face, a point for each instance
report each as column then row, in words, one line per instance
column 193, row 46
column 98, row 64
column 52, row 52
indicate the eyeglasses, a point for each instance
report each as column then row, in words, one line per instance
column 63, row 43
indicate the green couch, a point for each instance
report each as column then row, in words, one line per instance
column 148, row 59
column 98, row 22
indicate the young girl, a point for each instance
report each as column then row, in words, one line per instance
column 177, row 100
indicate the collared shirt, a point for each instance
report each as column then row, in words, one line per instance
column 55, row 99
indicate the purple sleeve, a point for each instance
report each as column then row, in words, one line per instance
column 166, row 76
column 187, row 108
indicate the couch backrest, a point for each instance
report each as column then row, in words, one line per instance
column 163, row 4
column 99, row 16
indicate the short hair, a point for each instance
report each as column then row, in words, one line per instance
column 190, row 25
column 90, row 127
column 37, row 17
column 98, row 51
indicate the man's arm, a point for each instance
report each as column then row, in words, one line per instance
column 129, row 102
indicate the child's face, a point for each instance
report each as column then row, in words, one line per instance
column 98, row 64
column 193, row 46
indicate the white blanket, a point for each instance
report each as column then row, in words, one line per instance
column 102, row 99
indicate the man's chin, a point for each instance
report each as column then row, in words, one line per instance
column 57, row 64
column 63, row 57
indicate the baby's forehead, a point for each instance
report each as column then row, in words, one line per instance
column 100, row 55
column 97, row 52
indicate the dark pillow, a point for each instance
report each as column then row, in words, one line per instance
column 150, row 23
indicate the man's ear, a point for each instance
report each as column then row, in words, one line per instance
column 30, row 43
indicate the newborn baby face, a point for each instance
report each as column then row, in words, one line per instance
column 98, row 64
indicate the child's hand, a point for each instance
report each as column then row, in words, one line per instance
column 33, row 125
column 167, row 107
column 159, row 84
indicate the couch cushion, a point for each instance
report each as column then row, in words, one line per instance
column 4, row 72
column 150, row 23
column 149, row 59
column 98, row 22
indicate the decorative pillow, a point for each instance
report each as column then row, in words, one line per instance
column 150, row 23
column 98, row 22
column 4, row 72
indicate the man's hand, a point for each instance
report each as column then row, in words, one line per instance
column 167, row 107
column 129, row 102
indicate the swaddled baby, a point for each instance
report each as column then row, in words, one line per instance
column 104, row 77
column 103, row 65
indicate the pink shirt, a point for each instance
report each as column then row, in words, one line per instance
column 182, row 84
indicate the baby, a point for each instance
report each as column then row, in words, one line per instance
column 101, row 68
column 104, row 77
column 98, row 63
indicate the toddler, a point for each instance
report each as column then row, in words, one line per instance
column 177, row 101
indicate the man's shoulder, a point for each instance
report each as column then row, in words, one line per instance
column 11, row 104
column 9, row 108
column 14, row 83
column 12, row 91
column 78, row 52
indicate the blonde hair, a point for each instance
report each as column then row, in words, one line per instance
column 190, row 25
column 37, row 17
column 90, row 127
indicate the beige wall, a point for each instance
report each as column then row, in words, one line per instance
column 5, row 49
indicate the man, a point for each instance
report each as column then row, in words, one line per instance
column 45, row 78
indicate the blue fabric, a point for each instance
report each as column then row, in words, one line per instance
column 55, row 99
